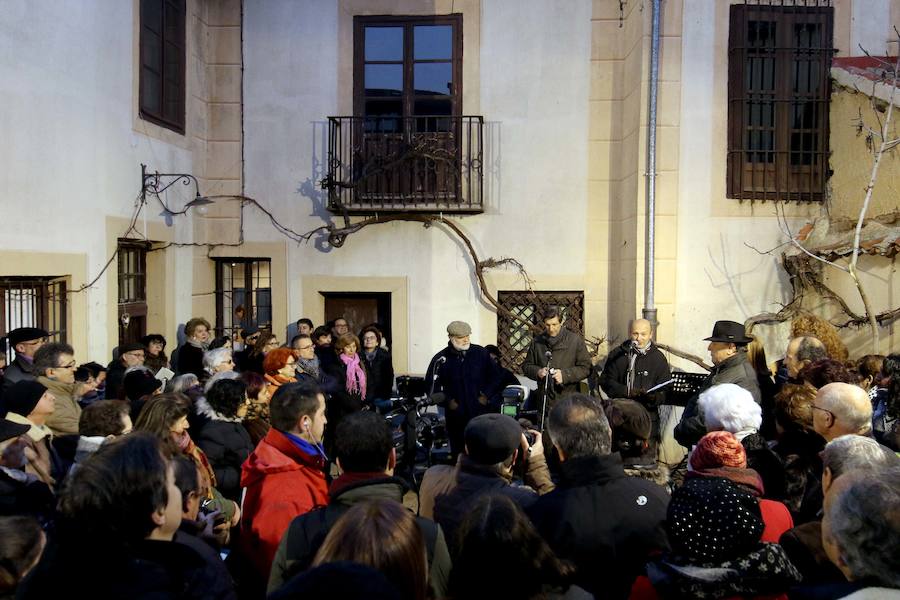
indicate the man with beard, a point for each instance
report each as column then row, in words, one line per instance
column 467, row 381
column 558, row 360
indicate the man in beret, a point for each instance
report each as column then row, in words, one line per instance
column 249, row 336
column 130, row 355
column 728, row 350
column 493, row 445
column 25, row 341
column 465, row 380
column 30, row 403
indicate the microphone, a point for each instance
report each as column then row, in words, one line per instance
column 548, row 355
column 440, row 361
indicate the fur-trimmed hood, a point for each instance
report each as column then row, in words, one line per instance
column 656, row 473
column 203, row 408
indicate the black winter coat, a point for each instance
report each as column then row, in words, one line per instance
column 736, row 370
column 650, row 370
column 227, row 445
column 605, row 522
column 381, row 375
column 190, row 360
column 115, row 376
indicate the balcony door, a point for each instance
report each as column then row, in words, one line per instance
column 408, row 99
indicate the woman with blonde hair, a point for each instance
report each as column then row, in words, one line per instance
column 808, row 324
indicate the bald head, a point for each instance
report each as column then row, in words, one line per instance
column 841, row 409
column 641, row 331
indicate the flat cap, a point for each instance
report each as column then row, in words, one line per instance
column 492, row 438
column 459, row 329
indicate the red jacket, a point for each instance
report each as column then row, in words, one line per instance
column 282, row 482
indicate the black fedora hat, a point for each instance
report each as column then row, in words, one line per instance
column 729, row 332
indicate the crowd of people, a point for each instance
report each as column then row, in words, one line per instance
column 241, row 467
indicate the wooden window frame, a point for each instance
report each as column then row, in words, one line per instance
column 134, row 305
column 251, row 308
column 408, row 23
column 778, row 177
column 172, row 38
column 49, row 306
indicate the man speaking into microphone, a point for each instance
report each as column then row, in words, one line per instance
column 636, row 367
column 467, row 380
column 557, row 359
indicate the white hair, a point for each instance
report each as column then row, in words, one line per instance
column 219, row 377
column 729, row 407
column 850, row 453
column 213, row 358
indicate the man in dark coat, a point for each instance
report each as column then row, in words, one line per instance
column 558, row 356
column 129, row 355
column 366, row 456
column 493, row 444
column 468, row 381
column 605, row 522
column 728, row 350
column 26, row 341
column 635, row 367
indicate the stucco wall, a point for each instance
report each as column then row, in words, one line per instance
column 852, row 160
column 536, row 138
column 72, row 152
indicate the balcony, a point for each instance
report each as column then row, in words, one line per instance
column 405, row 164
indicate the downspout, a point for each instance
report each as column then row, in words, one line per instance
column 649, row 310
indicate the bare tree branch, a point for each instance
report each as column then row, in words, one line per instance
column 685, row 355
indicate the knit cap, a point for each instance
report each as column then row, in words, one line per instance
column 718, row 449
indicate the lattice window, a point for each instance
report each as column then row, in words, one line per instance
column 514, row 335
column 243, row 294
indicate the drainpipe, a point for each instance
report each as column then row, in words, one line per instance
column 649, row 310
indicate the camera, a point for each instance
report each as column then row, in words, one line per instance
column 513, row 400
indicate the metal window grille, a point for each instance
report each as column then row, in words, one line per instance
column 514, row 335
column 33, row 302
column 243, row 294
column 779, row 60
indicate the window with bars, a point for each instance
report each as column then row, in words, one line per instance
column 162, row 63
column 33, row 302
column 779, row 59
column 243, row 294
column 514, row 335
column 132, row 305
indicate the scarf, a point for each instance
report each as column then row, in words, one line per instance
column 746, row 478
column 356, row 377
column 277, row 380
column 310, row 366
column 202, row 345
column 764, row 570
column 192, row 451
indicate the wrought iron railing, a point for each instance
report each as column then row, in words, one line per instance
column 399, row 164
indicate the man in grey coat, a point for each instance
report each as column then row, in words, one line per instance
column 728, row 350
column 557, row 356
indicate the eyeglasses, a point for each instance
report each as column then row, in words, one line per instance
column 302, row 348
column 34, row 342
column 71, row 365
column 814, row 407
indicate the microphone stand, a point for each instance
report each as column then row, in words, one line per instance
column 547, row 379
